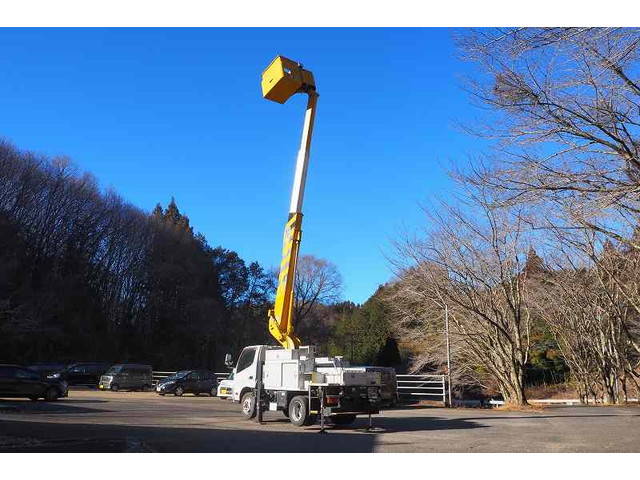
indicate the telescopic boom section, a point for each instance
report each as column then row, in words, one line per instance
column 282, row 79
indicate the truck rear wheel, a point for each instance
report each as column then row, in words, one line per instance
column 248, row 404
column 299, row 411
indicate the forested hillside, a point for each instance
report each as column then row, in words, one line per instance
column 86, row 276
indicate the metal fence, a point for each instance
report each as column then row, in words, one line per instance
column 423, row 387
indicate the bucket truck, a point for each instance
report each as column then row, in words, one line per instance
column 292, row 378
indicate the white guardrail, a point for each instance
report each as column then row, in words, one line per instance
column 410, row 386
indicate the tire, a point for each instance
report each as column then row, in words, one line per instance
column 213, row 392
column 161, row 394
column 178, row 391
column 248, row 405
column 115, row 388
column 299, row 411
column 285, row 413
column 196, row 394
column 343, row 419
column 51, row 395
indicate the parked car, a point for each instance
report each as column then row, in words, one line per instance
column 127, row 376
column 47, row 368
column 189, row 381
column 225, row 387
column 85, row 373
column 21, row 382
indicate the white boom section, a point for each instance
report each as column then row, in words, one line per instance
column 302, row 162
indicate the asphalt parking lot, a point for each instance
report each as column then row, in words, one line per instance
column 93, row 421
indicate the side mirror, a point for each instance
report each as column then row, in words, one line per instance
column 228, row 360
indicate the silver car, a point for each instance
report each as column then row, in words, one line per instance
column 127, row 376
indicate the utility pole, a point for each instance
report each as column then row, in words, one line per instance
column 446, row 330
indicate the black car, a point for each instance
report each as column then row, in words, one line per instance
column 189, row 381
column 47, row 368
column 21, row 382
column 85, row 373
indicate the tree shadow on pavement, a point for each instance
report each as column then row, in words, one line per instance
column 62, row 406
column 68, row 437
column 410, row 424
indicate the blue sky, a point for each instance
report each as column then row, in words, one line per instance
column 156, row 113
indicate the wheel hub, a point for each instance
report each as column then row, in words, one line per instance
column 297, row 414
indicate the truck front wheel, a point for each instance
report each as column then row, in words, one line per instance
column 248, row 404
column 299, row 411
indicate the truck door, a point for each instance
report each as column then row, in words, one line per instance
column 245, row 372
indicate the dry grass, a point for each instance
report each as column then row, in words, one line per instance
column 548, row 392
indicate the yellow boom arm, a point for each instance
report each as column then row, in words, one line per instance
column 282, row 79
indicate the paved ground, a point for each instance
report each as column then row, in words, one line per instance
column 140, row 422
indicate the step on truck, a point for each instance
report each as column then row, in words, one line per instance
column 303, row 386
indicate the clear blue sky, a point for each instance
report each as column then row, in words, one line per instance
column 156, row 113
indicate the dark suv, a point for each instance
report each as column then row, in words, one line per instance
column 20, row 382
column 86, row 373
column 189, row 381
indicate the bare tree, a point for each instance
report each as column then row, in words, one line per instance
column 318, row 282
column 418, row 320
column 590, row 303
column 567, row 111
column 587, row 332
column 472, row 261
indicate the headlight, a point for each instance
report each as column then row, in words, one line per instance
column 54, row 375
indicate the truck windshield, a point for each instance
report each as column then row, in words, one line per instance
column 246, row 358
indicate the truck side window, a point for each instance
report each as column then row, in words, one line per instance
column 246, row 358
